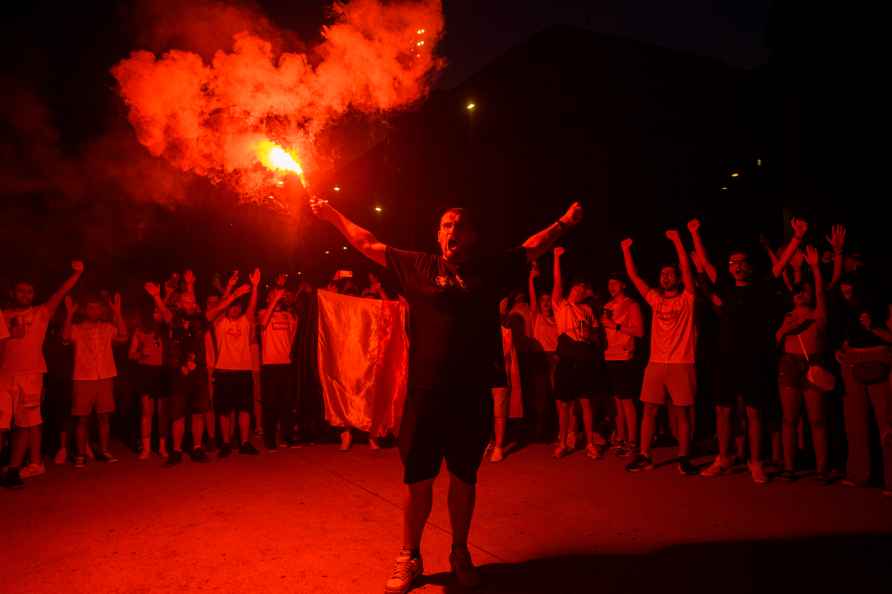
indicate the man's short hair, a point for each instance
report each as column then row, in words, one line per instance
column 466, row 216
column 618, row 276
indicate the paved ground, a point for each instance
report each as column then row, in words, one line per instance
column 321, row 521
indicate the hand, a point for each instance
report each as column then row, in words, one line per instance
column 152, row 289
column 672, row 235
column 254, row 277
column 70, row 305
column 233, row 279
column 77, row 266
column 694, row 226
column 281, row 279
column 573, row 216
column 559, row 251
column 242, row 290
column 322, row 209
column 115, row 303
column 275, row 295
column 800, row 228
column 812, row 256
column 837, row 238
column 626, row 244
column 189, row 277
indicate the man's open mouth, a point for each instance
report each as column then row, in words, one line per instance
column 452, row 244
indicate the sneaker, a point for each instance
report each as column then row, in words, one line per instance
column 225, row 451
column 463, row 568
column 80, row 462
column 346, row 441
column 641, row 462
column 248, row 449
column 12, row 479
column 405, row 572
column 32, row 470
column 715, row 469
column 595, row 452
column 199, row 455
column 174, row 458
column 758, row 473
column 498, row 454
column 61, row 456
column 106, row 457
column 786, row 475
column 685, row 468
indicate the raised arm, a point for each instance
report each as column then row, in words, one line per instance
column 70, row 309
column 814, row 262
column 631, row 271
column 539, row 244
column 120, row 324
column 700, row 250
column 557, row 290
column 267, row 314
column 55, row 300
column 154, row 291
column 837, row 241
column 800, row 228
column 214, row 312
column 361, row 239
column 684, row 264
column 766, row 245
column 251, row 312
column 534, row 300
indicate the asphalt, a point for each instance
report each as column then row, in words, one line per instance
column 317, row 520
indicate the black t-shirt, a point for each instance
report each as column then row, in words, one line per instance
column 187, row 333
column 454, row 329
column 749, row 317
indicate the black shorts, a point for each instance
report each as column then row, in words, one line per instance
column 190, row 394
column 151, row 380
column 749, row 378
column 624, row 379
column 233, row 391
column 439, row 424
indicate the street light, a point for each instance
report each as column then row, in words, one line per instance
column 735, row 174
column 337, row 188
column 379, row 210
column 471, row 106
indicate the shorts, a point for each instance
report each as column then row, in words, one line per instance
column 20, row 398
column 189, row 394
column 233, row 391
column 90, row 394
column 678, row 379
column 623, row 379
column 151, row 380
column 576, row 378
column 439, row 424
column 750, row 380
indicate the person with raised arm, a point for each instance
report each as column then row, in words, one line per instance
column 543, row 359
column 623, row 328
column 233, row 391
column 94, row 369
column 453, row 301
column 278, row 327
column 579, row 360
column 148, row 347
column 803, row 340
column 749, row 310
column 22, row 370
column 672, row 365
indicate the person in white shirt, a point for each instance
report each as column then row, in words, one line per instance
column 233, row 381
column 94, row 369
column 623, row 328
column 671, row 368
column 22, row 367
column 543, row 359
column 579, row 361
column 278, row 327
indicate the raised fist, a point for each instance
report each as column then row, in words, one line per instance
column 626, row 243
column 255, row 277
column 694, row 226
column 152, row 289
column 77, row 265
column 672, row 235
column 559, row 251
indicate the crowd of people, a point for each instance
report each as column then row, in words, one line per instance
column 777, row 370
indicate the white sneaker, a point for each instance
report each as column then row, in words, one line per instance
column 463, row 568
column 405, row 572
column 61, row 456
column 498, row 454
column 32, row 470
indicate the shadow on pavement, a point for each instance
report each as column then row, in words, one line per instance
column 839, row 564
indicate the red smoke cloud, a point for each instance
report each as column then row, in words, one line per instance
column 207, row 117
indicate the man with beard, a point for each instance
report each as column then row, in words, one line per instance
column 453, row 301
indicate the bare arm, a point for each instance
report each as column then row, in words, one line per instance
column 557, row 291
column 55, row 300
column 683, row 263
column 539, row 244
column 700, row 250
column 267, row 314
column 361, row 239
column 252, row 301
column 155, row 292
column 214, row 312
column 800, row 228
column 814, row 262
column 534, row 301
column 631, row 271
column 837, row 241
column 120, row 325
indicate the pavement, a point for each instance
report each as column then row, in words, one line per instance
column 317, row 520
